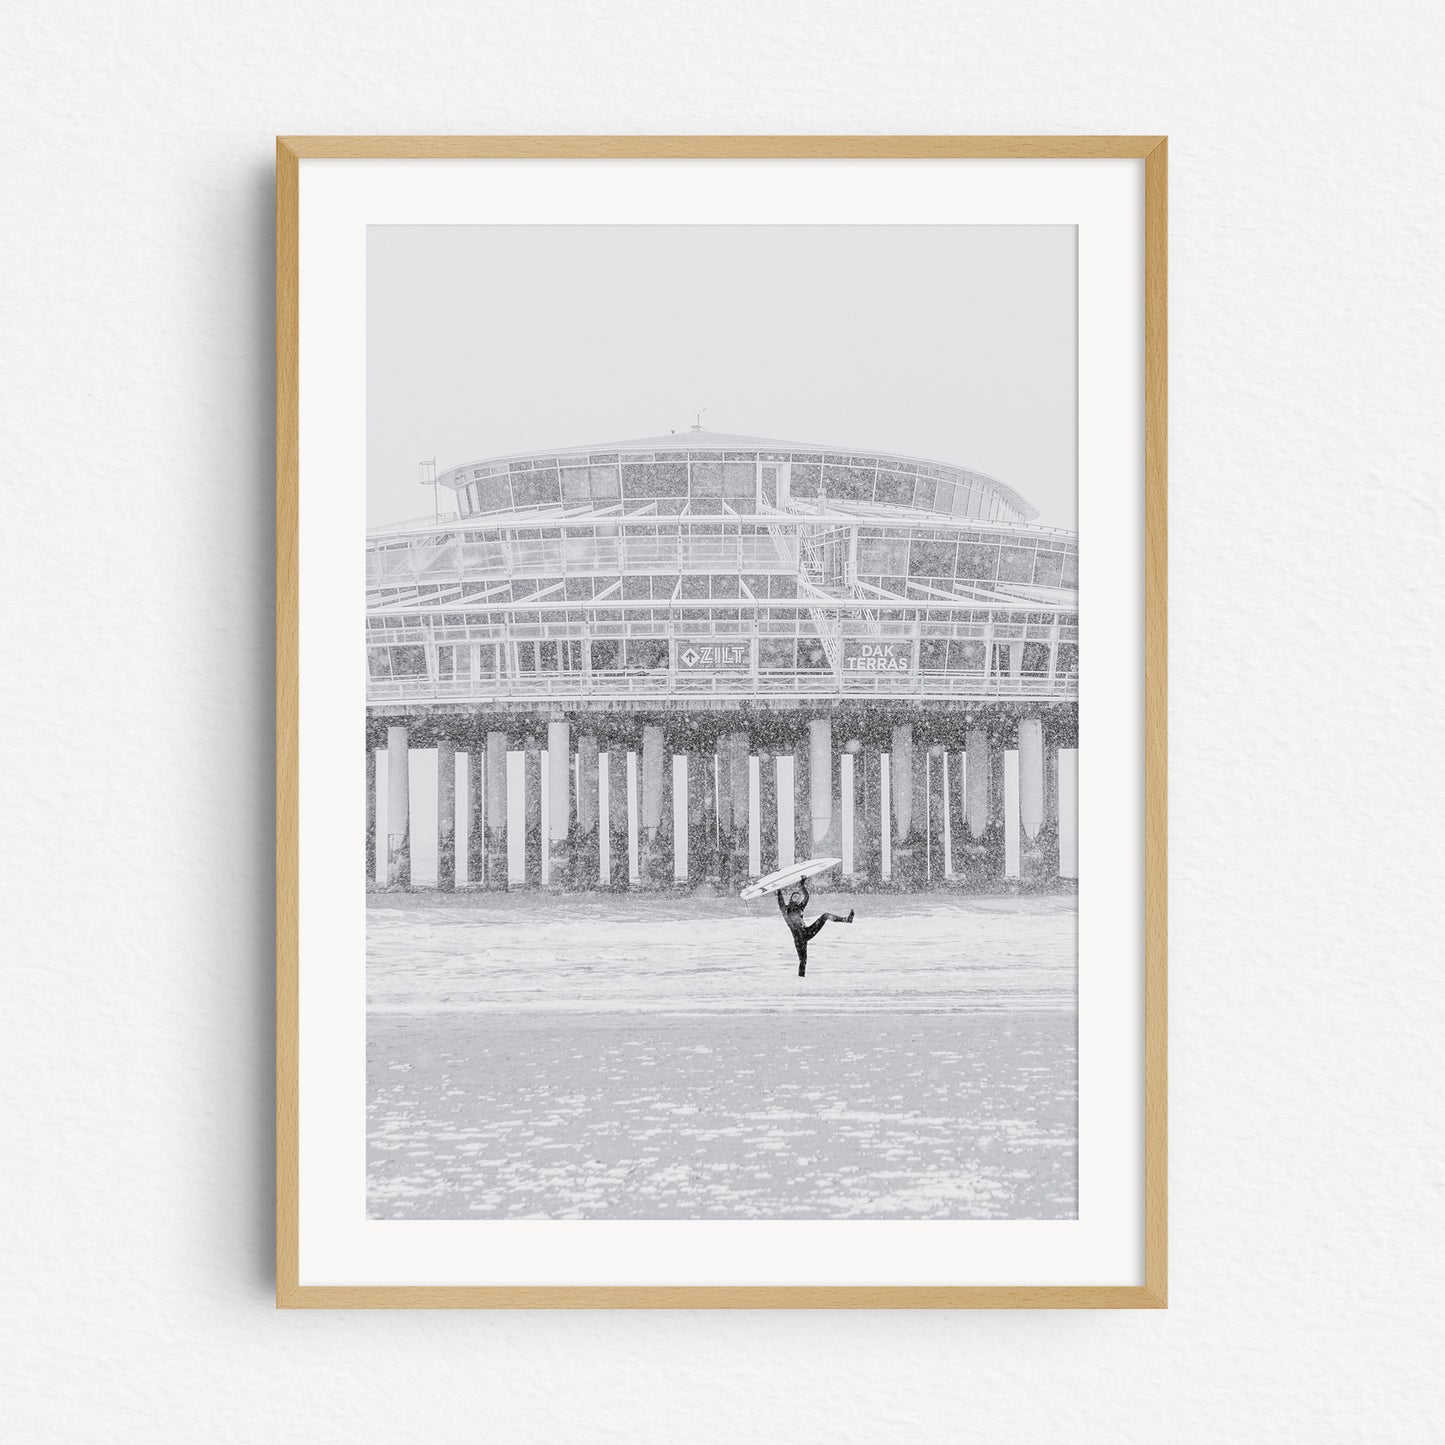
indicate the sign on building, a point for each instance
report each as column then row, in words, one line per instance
column 877, row 656
column 712, row 654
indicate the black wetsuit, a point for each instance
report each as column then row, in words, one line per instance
column 801, row 931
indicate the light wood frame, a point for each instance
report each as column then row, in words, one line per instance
column 1153, row 151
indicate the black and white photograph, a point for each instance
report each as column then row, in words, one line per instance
column 722, row 650
column 708, row 737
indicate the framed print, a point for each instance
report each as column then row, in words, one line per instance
column 721, row 722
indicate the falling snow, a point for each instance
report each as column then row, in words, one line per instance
column 634, row 1057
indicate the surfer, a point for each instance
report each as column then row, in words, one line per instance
column 793, row 908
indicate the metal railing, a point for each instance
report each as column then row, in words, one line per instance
column 414, row 524
column 664, row 682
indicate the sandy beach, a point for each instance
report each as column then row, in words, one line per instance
column 656, row 1058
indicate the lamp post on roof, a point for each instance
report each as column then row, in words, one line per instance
column 429, row 479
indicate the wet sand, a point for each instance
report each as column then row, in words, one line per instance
column 750, row 1116
column 657, row 1058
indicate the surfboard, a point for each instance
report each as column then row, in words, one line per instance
column 786, row 877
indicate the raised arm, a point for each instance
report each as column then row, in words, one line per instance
column 781, row 904
column 807, row 897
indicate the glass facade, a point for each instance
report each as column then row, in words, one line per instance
column 587, row 574
column 720, row 481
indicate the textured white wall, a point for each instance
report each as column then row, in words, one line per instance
column 135, row 1140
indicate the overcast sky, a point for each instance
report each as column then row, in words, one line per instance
column 955, row 343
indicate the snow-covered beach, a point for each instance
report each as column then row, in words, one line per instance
column 592, row 1056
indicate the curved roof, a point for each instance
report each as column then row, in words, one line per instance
column 676, row 446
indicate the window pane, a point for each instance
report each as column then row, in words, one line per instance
column 1048, row 569
column 977, row 561
column 805, row 480
column 707, row 479
column 1015, row 564
column 604, row 483
column 739, row 479
column 1036, row 657
column 932, row 559
column 853, row 484
column 894, row 489
column 932, row 655
column 877, row 555
column 655, row 480
column 811, row 656
column 536, row 489
column 495, row 494
column 965, row 656
column 647, row 652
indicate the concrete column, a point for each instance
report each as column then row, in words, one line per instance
column 1033, row 864
column 935, row 791
column 755, row 851
column 559, row 804
column 1051, row 782
column 916, row 860
column 370, row 815
column 995, row 792
column 907, row 788
column 979, row 775
column 1011, row 852
column 655, row 861
column 725, row 812
column 957, row 821
column 868, row 818
column 701, row 821
column 495, row 872
column 676, row 807
column 616, row 840
column 476, row 814
column 587, row 854
column 735, row 771
column 1031, row 776
column 398, row 808
column 712, row 808
column 822, row 786
column 532, row 814
column 768, row 811
column 446, row 815
column 1051, row 803
column 900, row 775
column 788, row 840
column 803, row 799
column 1068, row 813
